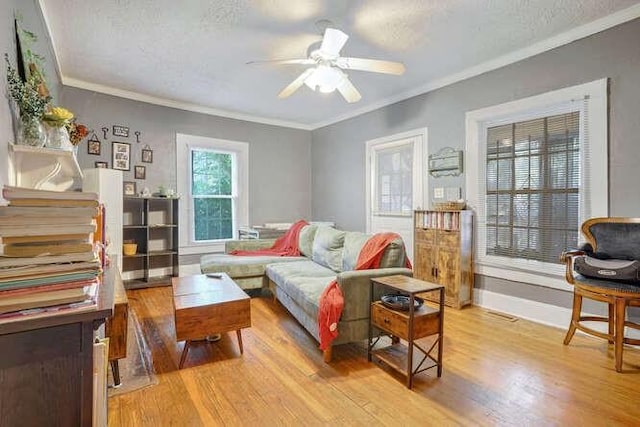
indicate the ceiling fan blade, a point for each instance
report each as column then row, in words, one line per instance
column 295, row 85
column 375, row 65
column 305, row 61
column 333, row 41
column 349, row 91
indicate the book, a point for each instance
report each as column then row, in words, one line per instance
column 46, row 299
column 45, row 230
column 12, row 193
column 51, row 279
column 48, row 212
column 66, row 238
column 60, row 203
column 44, row 219
column 35, row 249
column 56, row 310
column 53, row 259
column 51, row 287
column 31, row 271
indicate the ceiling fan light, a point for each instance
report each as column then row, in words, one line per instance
column 324, row 79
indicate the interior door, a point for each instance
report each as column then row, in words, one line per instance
column 395, row 184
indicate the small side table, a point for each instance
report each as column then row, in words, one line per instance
column 408, row 325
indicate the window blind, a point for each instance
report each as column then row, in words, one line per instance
column 533, row 193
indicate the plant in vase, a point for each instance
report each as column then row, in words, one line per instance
column 57, row 119
column 31, row 104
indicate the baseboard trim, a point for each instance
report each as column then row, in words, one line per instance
column 546, row 314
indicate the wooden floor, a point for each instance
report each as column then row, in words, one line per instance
column 496, row 372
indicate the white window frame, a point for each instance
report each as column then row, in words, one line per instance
column 416, row 137
column 594, row 170
column 185, row 144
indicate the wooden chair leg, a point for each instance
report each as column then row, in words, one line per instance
column 612, row 316
column 621, row 308
column 575, row 317
column 327, row 354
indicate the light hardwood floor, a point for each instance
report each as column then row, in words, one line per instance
column 496, row 372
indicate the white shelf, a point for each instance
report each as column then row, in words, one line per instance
column 44, row 168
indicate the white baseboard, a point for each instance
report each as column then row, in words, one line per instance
column 547, row 314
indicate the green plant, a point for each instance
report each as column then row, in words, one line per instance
column 31, row 103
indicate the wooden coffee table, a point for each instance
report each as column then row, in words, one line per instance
column 204, row 306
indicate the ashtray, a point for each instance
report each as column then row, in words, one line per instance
column 400, row 302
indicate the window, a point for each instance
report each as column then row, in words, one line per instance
column 213, row 179
column 394, row 176
column 533, row 188
column 537, row 168
column 212, row 194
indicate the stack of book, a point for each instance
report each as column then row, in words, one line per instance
column 48, row 263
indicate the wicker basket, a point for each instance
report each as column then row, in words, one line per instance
column 449, row 206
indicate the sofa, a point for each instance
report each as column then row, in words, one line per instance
column 298, row 282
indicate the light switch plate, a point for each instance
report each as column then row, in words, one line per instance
column 438, row 193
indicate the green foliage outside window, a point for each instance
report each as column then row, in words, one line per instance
column 212, row 190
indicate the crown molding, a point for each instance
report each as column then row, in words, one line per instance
column 562, row 39
column 166, row 102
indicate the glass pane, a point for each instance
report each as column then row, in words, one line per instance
column 394, row 182
column 534, row 210
column 521, row 210
column 504, row 209
column 504, row 174
column 558, row 170
column 213, row 219
column 492, row 209
column 491, row 240
column 211, row 173
column 523, row 180
column 492, row 175
column 504, row 241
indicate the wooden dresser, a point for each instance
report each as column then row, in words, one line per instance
column 46, row 367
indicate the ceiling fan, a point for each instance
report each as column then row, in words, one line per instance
column 327, row 75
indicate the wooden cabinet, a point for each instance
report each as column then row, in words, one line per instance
column 152, row 224
column 410, row 326
column 47, row 366
column 443, row 252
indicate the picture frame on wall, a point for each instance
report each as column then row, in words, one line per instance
column 129, row 188
column 121, row 156
column 140, row 172
column 147, row 155
column 121, row 131
column 101, row 165
column 94, row 146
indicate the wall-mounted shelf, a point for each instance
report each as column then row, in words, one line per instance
column 43, row 168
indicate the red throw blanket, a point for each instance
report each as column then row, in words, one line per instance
column 332, row 300
column 285, row 245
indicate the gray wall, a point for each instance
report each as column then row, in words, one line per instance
column 279, row 158
column 31, row 20
column 338, row 151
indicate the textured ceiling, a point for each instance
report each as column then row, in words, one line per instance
column 195, row 51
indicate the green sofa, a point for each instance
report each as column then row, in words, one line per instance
column 298, row 282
